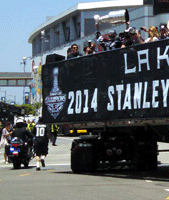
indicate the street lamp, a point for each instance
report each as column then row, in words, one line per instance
column 42, row 44
column 24, row 65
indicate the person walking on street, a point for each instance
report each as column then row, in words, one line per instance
column 54, row 132
column 41, row 134
column 30, row 125
column 5, row 139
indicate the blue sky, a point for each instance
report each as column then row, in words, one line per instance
column 18, row 19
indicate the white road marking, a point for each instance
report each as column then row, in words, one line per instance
column 149, row 181
column 58, row 164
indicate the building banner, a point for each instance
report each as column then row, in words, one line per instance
column 27, row 98
column 127, row 83
column 161, row 6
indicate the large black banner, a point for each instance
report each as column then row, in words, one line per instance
column 161, row 6
column 126, row 83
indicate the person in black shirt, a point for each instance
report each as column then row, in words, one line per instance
column 21, row 132
column 110, row 42
column 41, row 134
column 74, row 52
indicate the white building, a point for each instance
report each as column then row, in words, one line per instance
column 77, row 25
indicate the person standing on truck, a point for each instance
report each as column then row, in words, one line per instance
column 163, row 31
column 74, row 52
column 89, row 48
column 69, row 51
column 110, row 42
column 41, row 134
column 152, row 34
column 54, row 132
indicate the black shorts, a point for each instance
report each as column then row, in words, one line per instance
column 41, row 148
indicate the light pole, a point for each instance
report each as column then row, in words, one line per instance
column 35, row 71
column 42, row 52
column 24, row 65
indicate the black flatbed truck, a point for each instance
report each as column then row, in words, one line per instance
column 121, row 97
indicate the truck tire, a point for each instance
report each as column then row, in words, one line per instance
column 83, row 155
column 16, row 163
column 151, row 156
column 82, row 160
column 146, row 156
column 26, row 163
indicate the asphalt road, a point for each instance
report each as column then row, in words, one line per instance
column 56, row 180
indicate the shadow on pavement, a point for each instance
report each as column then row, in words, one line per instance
column 22, row 167
column 161, row 174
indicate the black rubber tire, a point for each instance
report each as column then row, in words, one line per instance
column 16, row 163
column 26, row 163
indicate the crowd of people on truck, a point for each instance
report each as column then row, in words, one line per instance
column 112, row 40
column 37, row 135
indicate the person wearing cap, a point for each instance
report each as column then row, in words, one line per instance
column 89, row 48
column 163, row 31
column 136, row 37
column 110, row 42
column 127, row 36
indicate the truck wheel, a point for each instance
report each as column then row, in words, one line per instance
column 26, row 163
column 146, row 156
column 151, row 157
column 16, row 163
column 82, row 156
column 82, row 162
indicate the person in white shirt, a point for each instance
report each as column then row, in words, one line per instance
column 5, row 139
column 152, row 34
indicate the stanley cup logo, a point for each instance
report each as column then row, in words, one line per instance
column 56, row 99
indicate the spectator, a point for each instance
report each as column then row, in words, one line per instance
column 0, row 129
column 74, row 52
column 163, row 31
column 69, row 51
column 54, row 132
column 89, row 48
column 136, row 37
column 152, row 34
column 5, row 139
